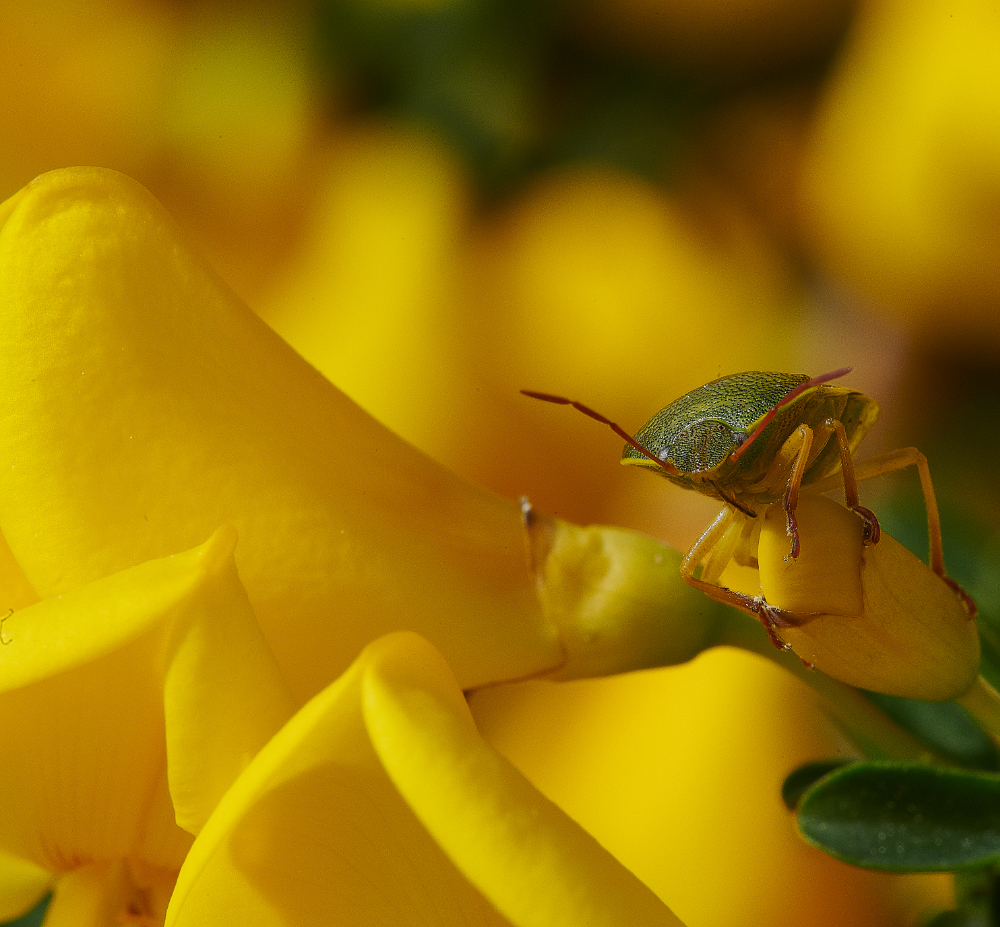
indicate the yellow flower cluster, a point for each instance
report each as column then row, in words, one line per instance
column 271, row 725
column 143, row 409
column 177, row 715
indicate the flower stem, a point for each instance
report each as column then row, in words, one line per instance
column 982, row 701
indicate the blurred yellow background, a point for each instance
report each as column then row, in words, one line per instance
column 440, row 202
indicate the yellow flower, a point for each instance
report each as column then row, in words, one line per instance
column 380, row 801
column 143, row 406
column 904, row 163
column 131, row 706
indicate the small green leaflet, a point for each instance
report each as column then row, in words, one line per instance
column 904, row 817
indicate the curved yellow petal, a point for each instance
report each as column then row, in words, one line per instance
column 224, row 697
column 538, row 867
column 109, row 690
column 316, row 825
column 142, row 405
column 678, row 773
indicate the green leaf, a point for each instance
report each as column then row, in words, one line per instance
column 904, row 817
column 798, row 782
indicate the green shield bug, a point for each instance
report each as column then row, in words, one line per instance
column 756, row 438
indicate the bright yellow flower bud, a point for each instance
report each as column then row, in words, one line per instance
column 617, row 598
column 876, row 616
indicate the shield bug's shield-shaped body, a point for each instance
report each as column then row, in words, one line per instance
column 726, row 438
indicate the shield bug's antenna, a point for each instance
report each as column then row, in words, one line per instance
column 597, row 417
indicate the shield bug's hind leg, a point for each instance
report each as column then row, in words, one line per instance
column 910, row 456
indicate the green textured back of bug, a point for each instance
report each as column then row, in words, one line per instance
column 728, row 433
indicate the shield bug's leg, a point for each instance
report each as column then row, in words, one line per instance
column 897, row 460
column 910, row 456
column 718, row 556
column 804, row 436
column 704, row 549
column 851, row 497
column 597, row 417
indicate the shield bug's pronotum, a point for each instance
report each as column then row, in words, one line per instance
column 755, row 439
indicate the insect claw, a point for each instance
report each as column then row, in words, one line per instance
column 770, row 617
column 967, row 601
column 872, row 532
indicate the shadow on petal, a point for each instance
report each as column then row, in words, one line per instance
column 328, row 818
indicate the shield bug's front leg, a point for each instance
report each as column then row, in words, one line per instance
column 715, row 549
column 805, row 437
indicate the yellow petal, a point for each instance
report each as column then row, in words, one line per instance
column 94, row 721
column 142, row 405
column 316, row 825
column 911, row 636
column 536, row 865
column 678, row 773
column 102, row 894
column 223, row 695
column 905, row 153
